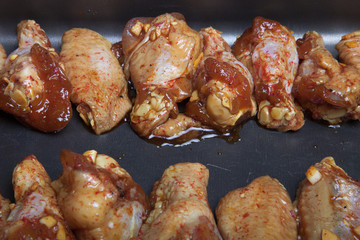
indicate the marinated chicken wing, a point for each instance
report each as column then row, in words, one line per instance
column 328, row 203
column 179, row 206
column 160, row 59
column 2, row 58
column 223, row 86
column 349, row 49
column 99, row 85
column 329, row 89
column 36, row 214
column 261, row 210
column 33, row 85
column 268, row 50
column 98, row 198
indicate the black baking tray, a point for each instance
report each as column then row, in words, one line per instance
column 259, row 151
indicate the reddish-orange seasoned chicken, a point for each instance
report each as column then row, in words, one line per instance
column 261, row 210
column 33, row 85
column 98, row 198
column 329, row 89
column 99, row 85
column 179, row 206
column 268, row 50
column 36, row 214
column 160, row 59
column 328, row 203
column 2, row 58
column 223, row 86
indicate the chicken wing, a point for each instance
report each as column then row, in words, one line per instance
column 223, row 86
column 99, row 85
column 179, row 206
column 33, row 85
column 349, row 49
column 98, row 198
column 268, row 50
column 160, row 59
column 2, row 58
column 328, row 203
column 261, row 210
column 36, row 214
column 329, row 89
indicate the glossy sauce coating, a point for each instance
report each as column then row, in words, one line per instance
column 98, row 198
column 268, row 50
column 223, row 86
column 33, row 85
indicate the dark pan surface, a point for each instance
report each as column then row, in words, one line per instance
column 285, row 156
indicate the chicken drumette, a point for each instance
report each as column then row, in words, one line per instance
column 33, row 85
column 223, row 86
column 98, row 198
column 179, row 206
column 36, row 214
column 268, row 50
column 99, row 85
column 328, row 203
column 329, row 89
column 160, row 58
column 261, row 210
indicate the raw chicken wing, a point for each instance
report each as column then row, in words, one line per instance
column 329, row 89
column 349, row 49
column 98, row 198
column 268, row 50
column 33, row 85
column 261, row 210
column 99, row 85
column 160, row 59
column 179, row 206
column 223, row 86
column 36, row 214
column 328, row 203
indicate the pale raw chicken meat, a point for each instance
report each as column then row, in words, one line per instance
column 98, row 198
column 328, row 89
column 33, row 84
column 268, row 50
column 36, row 214
column 328, row 203
column 99, row 86
column 223, row 86
column 2, row 58
column 160, row 59
column 179, row 206
column 261, row 210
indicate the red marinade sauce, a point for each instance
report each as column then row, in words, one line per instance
column 51, row 111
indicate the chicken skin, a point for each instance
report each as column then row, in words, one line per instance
column 327, row 88
column 36, row 214
column 160, row 58
column 328, row 203
column 33, row 85
column 98, row 198
column 179, row 206
column 2, row 58
column 268, row 50
column 349, row 49
column 223, row 86
column 99, row 85
column 261, row 210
